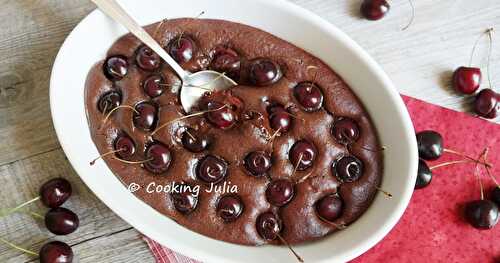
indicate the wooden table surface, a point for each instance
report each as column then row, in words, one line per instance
column 419, row 60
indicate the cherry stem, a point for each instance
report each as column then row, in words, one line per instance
column 290, row 114
column 104, row 155
column 340, row 226
column 490, row 37
column 488, row 171
column 476, row 173
column 451, row 163
column 467, row 156
column 11, row 211
column 18, row 247
column 188, row 86
column 487, row 32
column 412, row 16
column 304, row 178
column 389, row 195
column 190, row 135
column 116, row 108
column 133, row 162
column 158, row 27
column 186, row 117
column 290, row 247
column 274, row 135
column 297, row 165
column 37, row 215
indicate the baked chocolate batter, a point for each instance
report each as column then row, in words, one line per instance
column 292, row 137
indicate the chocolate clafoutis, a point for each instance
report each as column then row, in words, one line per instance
column 289, row 153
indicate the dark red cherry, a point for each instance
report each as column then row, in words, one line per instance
column 229, row 208
column 146, row 116
column 466, row 80
column 279, row 118
column 264, row 72
column 56, row 252
column 424, row 175
column 348, row 168
column 185, row 201
column 329, row 207
column 309, row 96
column 268, row 226
column 147, row 59
column 115, row 68
column 125, row 145
column 55, row 192
column 227, row 61
column 220, row 116
column 159, row 156
column 303, row 151
column 430, row 145
column 154, row 85
column 182, row 49
column 495, row 195
column 345, row 130
column 482, row 214
column 487, row 104
column 211, row 169
column 280, row 192
column 61, row 221
column 195, row 141
column 374, row 9
column 109, row 101
column 258, row 163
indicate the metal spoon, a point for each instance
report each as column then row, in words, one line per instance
column 194, row 85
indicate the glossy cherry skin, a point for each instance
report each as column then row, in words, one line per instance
column 482, row 214
column 303, row 151
column 147, row 59
column 185, row 201
column 145, row 116
column 160, row 158
column 309, row 96
column 211, row 169
column 182, row 49
column 55, row 192
column 264, row 72
column 466, row 80
column 280, row 192
column 430, row 145
column 229, row 208
column 56, row 252
column 195, row 141
column 487, row 104
column 268, row 225
column 154, row 85
column 220, row 116
column 116, row 68
column 424, row 175
column 345, row 130
column 126, row 147
column 348, row 168
column 61, row 221
column 374, row 9
column 109, row 101
column 495, row 195
column 329, row 207
column 227, row 61
column 257, row 163
column 279, row 118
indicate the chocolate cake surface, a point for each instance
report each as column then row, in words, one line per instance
column 288, row 153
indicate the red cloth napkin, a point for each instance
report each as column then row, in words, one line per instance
column 433, row 229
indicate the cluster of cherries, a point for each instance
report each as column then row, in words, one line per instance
column 467, row 80
column 58, row 220
column 482, row 213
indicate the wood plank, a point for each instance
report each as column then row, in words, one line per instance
column 20, row 181
column 31, row 34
